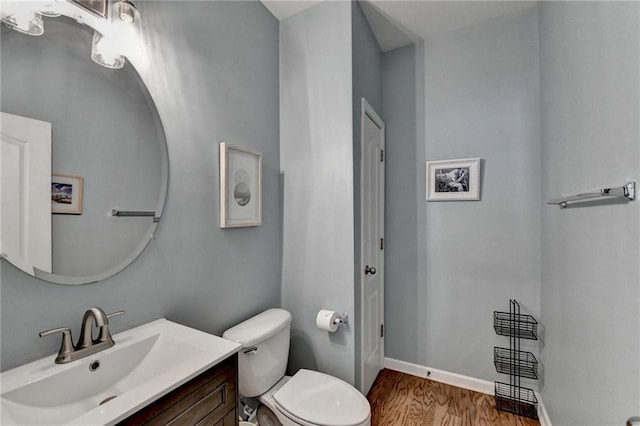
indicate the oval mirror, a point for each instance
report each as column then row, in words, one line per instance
column 107, row 147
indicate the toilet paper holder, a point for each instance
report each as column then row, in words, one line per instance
column 331, row 321
column 342, row 319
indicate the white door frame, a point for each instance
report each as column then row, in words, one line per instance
column 367, row 111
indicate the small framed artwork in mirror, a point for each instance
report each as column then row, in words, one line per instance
column 240, row 187
column 66, row 194
column 453, row 180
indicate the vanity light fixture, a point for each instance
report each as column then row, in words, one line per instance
column 106, row 49
column 126, row 11
column 105, row 52
column 49, row 9
column 23, row 19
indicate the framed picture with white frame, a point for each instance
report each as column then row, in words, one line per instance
column 240, row 187
column 66, row 193
column 453, row 180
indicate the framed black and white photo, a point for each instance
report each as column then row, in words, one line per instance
column 453, row 180
column 66, row 194
column 240, row 187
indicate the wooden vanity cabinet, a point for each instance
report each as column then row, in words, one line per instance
column 209, row 399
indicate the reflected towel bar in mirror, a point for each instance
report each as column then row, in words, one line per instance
column 627, row 192
column 124, row 213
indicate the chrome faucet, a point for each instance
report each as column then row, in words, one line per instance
column 86, row 345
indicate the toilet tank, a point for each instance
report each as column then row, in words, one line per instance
column 262, row 360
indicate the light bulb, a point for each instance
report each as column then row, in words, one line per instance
column 126, row 11
column 105, row 52
column 24, row 20
column 48, row 8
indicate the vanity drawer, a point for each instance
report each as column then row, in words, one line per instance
column 209, row 399
column 230, row 419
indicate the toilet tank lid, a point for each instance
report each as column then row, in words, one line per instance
column 258, row 328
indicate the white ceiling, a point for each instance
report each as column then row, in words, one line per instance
column 396, row 23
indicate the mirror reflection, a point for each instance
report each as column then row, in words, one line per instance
column 107, row 146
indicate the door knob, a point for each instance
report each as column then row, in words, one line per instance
column 369, row 270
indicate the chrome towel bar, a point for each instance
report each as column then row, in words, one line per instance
column 123, row 213
column 627, row 192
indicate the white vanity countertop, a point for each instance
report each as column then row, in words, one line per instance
column 146, row 363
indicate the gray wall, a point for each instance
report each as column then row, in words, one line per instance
column 367, row 68
column 481, row 100
column 104, row 128
column 367, row 83
column 551, row 110
column 316, row 161
column 590, row 291
column 401, row 203
column 213, row 72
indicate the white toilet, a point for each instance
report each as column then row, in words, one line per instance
column 309, row 398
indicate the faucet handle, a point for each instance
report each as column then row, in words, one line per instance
column 66, row 347
column 64, row 330
column 116, row 313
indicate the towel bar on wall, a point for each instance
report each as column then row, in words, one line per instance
column 628, row 192
column 122, row 213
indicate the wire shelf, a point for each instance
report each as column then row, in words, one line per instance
column 513, row 362
column 515, row 325
column 516, row 400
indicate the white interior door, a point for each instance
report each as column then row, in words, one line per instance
column 372, row 245
column 25, row 192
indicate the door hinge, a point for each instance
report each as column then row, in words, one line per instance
column 381, row 155
column 381, row 330
column 381, row 243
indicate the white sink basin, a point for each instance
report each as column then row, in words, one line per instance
column 146, row 363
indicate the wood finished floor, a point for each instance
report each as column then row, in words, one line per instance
column 401, row 399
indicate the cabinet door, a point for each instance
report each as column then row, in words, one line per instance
column 209, row 399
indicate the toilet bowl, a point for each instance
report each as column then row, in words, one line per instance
column 308, row 398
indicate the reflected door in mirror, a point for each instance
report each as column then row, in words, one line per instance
column 25, row 191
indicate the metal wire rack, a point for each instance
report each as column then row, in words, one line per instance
column 515, row 325
column 512, row 397
column 503, row 359
column 516, row 399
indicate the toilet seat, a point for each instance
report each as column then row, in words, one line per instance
column 314, row 398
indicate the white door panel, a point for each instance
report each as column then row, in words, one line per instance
column 372, row 223
column 25, row 192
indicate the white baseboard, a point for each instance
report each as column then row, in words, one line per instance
column 458, row 380
column 542, row 412
column 453, row 379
